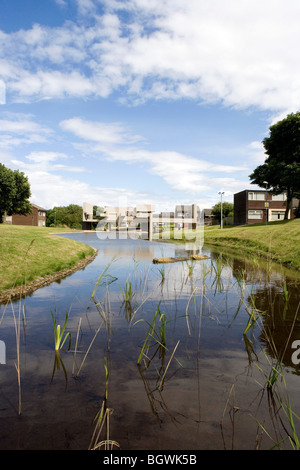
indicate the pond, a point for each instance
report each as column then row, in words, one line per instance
column 189, row 355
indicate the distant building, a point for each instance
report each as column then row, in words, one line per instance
column 37, row 218
column 254, row 206
column 209, row 217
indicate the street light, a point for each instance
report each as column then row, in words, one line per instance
column 221, row 193
column 266, row 203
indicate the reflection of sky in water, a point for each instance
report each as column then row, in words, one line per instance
column 210, row 357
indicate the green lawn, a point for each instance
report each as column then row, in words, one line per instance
column 27, row 253
column 277, row 241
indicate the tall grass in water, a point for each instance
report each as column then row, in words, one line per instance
column 17, row 325
column 127, row 292
column 59, row 338
column 103, row 418
column 217, row 268
column 254, row 314
column 153, row 335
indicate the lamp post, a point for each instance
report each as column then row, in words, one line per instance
column 221, row 193
column 266, row 203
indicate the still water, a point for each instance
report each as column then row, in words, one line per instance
column 184, row 363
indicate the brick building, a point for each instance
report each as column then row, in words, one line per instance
column 251, row 207
column 37, row 218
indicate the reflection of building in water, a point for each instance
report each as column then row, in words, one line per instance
column 141, row 218
column 121, row 250
column 252, row 271
column 280, row 327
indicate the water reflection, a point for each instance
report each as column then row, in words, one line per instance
column 163, row 346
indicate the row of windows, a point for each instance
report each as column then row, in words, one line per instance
column 275, row 215
column 262, row 197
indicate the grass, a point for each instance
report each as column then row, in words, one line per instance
column 277, row 242
column 29, row 253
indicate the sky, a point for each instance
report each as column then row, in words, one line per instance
column 125, row 102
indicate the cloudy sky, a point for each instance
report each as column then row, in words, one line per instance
column 143, row 101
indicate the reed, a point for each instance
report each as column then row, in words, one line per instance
column 254, row 314
column 154, row 336
column 17, row 325
column 103, row 418
column 59, row 338
column 127, row 292
column 162, row 272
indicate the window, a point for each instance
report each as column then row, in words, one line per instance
column 277, row 215
column 279, row 197
column 257, row 196
column 255, row 214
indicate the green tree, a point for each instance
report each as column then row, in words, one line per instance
column 70, row 216
column 227, row 210
column 14, row 192
column 281, row 169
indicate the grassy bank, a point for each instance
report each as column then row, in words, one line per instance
column 31, row 253
column 278, row 241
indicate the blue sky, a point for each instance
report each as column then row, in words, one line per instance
column 143, row 101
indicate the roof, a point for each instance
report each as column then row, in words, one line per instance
column 39, row 208
column 208, row 211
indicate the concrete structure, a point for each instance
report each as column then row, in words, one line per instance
column 87, row 217
column 121, row 218
column 254, row 206
column 209, row 218
column 37, row 217
column 140, row 218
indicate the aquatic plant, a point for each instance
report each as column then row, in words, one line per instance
column 104, row 278
column 59, row 338
column 162, row 274
column 103, row 417
column 17, row 365
column 128, row 292
column 254, row 314
column 152, row 335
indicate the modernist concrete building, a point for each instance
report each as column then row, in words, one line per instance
column 120, row 218
column 37, row 217
column 141, row 217
column 254, row 206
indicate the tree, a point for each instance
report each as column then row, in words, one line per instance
column 70, row 216
column 227, row 210
column 281, row 170
column 14, row 192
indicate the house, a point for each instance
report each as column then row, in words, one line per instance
column 254, row 206
column 37, row 218
column 208, row 217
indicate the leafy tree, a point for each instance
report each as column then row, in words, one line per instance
column 70, row 216
column 96, row 212
column 281, row 170
column 14, row 192
column 227, row 210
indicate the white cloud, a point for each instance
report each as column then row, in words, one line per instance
column 240, row 54
column 41, row 157
column 181, row 172
column 105, row 133
column 61, row 3
column 18, row 129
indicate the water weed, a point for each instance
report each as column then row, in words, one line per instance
column 59, row 338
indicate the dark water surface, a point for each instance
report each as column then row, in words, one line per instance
column 201, row 383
